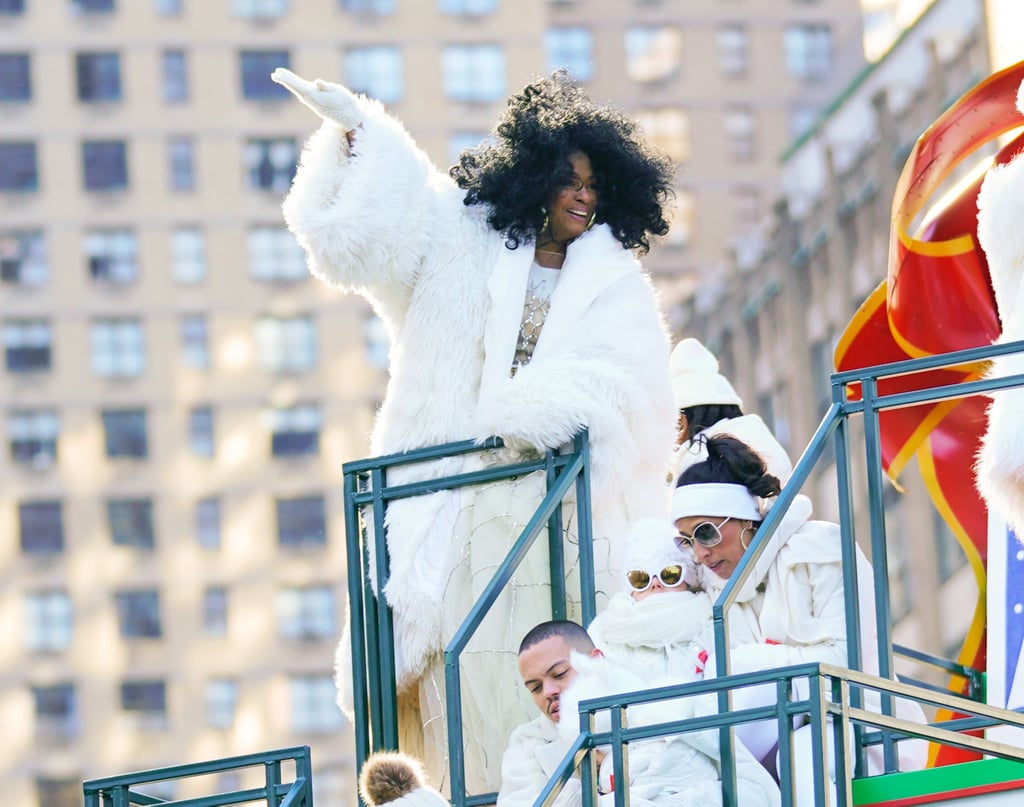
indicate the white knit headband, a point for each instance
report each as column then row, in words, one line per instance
column 714, row 499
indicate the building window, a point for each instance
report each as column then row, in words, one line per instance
column 18, row 168
column 117, row 348
column 271, row 164
column 200, row 431
column 221, row 700
column 208, row 523
column 295, row 431
column 131, row 522
column 105, row 165
column 112, row 256
column 41, row 525
column 23, row 259
column 256, row 67
column 92, row 6
column 138, row 614
column 27, row 344
column 259, row 9
column 195, row 346
column 180, row 164
column 653, row 53
column 274, row 254
column 175, row 76
column 15, row 83
column 48, row 621
column 188, row 255
column 306, row 613
column 746, row 206
column 215, row 611
column 733, row 49
column 313, row 707
column 377, row 344
column 56, row 714
column 33, row 437
column 370, row 7
column 125, row 431
column 681, row 219
column 13, row 7
column 809, row 51
column 147, row 700
column 739, row 132
column 668, row 130
column 801, row 119
column 301, row 521
column 99, row 77
column 459, row 142
column 286, row 345
column 377, row 71
column 169, row 8
column 571, row 48
column 473, row 73
column 467, row 7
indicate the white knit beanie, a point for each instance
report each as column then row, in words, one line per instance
column 695, row 377
column 397, row 779
column 651, row 546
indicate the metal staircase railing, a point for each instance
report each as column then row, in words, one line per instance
column 278, row 789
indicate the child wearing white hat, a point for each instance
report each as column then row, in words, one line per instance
column 709, row 405
column 660, row 622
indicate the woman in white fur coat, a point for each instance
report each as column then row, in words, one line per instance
column 515, row 307
column 791, row 608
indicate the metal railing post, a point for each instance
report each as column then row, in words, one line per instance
column 385, row 625
column 879, row 550
column 355, row 576
column 585, row 530
column 556, row 548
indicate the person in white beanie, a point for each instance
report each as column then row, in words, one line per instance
column 397, row 779
column 709, row 405
column 660, row 622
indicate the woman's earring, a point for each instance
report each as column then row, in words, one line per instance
column 744, row 544
column 544, row 226
column 593, row 218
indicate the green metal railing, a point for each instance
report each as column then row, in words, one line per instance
column 277, row 791
column 829, row 709
column 372, row 631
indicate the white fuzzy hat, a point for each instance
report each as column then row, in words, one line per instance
column 695, row 377
column 651, row 546
column 391, row 777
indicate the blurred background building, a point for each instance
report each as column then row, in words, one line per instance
column 178, row 395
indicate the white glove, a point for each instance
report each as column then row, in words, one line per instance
column 330, row 101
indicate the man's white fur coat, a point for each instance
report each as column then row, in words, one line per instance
column 380, row 220
column 1001, row 234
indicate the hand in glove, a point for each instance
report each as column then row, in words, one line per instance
column 332, row 102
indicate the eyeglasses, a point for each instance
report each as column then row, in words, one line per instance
column 705, row 534
column 641, row 580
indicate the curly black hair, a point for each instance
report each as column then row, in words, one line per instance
column 526, row 158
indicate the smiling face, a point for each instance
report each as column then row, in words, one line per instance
column 547, row 672
column 571, row 207
column 722, row 558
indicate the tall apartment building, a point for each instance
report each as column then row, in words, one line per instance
column 178, row 396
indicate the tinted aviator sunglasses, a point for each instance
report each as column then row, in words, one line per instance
column 704, row 534
column 641, row 580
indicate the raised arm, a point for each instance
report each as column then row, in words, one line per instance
column 366, row 204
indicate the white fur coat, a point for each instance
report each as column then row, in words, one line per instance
column 1001, row 234
column 380, row 220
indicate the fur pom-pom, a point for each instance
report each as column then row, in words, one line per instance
column 388, row 776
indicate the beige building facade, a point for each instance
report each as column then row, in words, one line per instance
column 776, row 321
column 178, row 396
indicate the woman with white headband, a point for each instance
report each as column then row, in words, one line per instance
column 792, row 602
